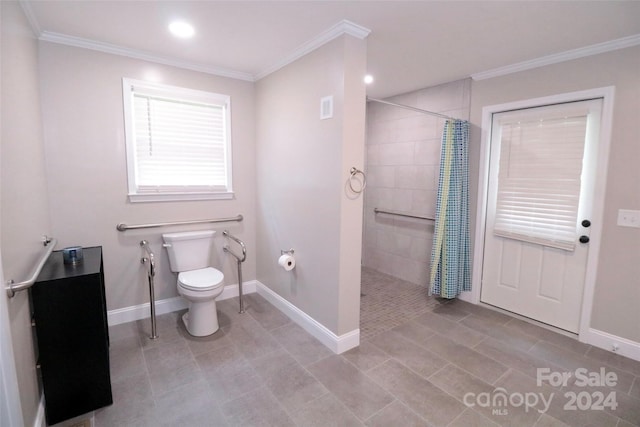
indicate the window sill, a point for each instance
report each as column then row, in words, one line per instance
column 178, row 197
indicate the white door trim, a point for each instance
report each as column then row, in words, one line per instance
column 10, row 406
column 607, row 94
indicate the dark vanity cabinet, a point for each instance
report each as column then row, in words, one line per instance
column 69, row 311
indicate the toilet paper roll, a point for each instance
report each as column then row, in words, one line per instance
column 287, row 262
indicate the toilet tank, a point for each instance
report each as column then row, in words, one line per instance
column 189, row 250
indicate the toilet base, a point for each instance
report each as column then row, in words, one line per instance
column 202, row 319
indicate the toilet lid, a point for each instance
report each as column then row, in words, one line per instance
column 203, row 279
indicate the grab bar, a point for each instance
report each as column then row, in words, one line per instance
column 239, row 261
column 124, row 227
column 408, row 215
column 150, row 257
column 151, row 272
column 238, row 241
column 13, row 287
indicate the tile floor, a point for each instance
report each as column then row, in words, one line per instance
column 418, row 359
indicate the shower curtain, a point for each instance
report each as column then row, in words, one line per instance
column 450, row 265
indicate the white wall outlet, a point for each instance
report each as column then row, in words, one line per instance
column 628, row 218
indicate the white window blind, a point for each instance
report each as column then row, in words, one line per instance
column 178, row 143
column 539, row 179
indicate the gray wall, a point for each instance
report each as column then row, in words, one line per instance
column 87, row 177
column 617, row 292
column 23, row 195
column 403, row 161
column 303, row 163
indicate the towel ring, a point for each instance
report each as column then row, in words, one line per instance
column 353, row 172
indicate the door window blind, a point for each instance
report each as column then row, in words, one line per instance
column 539, row 177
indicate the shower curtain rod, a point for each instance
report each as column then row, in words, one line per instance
column 431, row 113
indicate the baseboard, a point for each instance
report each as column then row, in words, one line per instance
column 337, row 344
column 143, row 311
column 606, row 341
column 232, row 291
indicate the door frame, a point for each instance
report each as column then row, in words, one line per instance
column 607, row 95
column 10, row 406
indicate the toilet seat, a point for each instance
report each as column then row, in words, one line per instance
column 203, row 279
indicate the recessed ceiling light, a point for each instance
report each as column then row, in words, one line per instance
column 368, row 79
column 181, row 29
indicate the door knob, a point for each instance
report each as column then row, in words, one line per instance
column 584, row 239
column 586, row 223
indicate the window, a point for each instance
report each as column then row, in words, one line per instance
column 540, row 178
column 178, row 143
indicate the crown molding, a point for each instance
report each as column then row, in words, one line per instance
column 31, row 17
column 341, row 28
column 64, row 39
column 568, row 55
column 351, row 28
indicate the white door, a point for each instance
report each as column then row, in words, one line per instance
column 542, row 175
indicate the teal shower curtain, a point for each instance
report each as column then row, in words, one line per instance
column 450, row 262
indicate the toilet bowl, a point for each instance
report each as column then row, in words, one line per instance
column 200, row 288
column 198, row 283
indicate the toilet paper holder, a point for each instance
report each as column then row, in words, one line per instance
column 286, row 260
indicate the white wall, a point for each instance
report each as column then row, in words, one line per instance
column 303, row 163
column 615, row 305
column 86, row 168
column 23, row 195
column 403, row 163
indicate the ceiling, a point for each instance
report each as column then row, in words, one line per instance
column 412, row 44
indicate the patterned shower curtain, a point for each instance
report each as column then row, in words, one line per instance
column 450, row 265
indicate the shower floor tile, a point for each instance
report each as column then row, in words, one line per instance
column 387, row 302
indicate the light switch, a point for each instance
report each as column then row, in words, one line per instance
column 628, row 218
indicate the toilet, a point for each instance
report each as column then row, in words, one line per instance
column 200, row 284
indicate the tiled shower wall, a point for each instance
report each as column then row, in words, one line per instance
column 402, row 166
